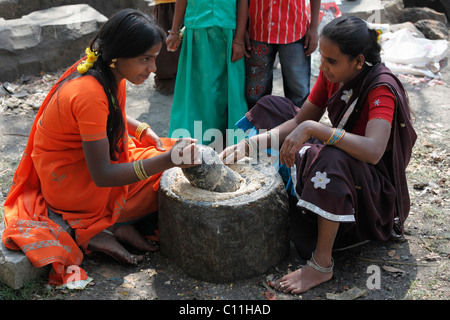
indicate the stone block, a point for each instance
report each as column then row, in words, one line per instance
column 15, row 268
column 46, row 40
column 370, row 10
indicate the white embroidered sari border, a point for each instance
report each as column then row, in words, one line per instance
column 325, row 214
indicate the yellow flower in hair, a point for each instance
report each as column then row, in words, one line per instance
column 379, row 32
column 91, row 57
column 82, row 68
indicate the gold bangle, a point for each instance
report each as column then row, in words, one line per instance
column 240, row 42
column 137, row 170
column 141, row 165
column 250, row 146
column 246, row 141
column 140, row 129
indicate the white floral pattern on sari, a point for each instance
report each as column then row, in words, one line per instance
column 320, row 180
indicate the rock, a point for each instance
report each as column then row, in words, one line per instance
column 438, row 5
column 212, row 174
column 46, row 40
column 13, row 9
column 394, row 11
column 416, row 14
column 222, row 237
column 369, row 10
column 15, row 268
column 432, row 29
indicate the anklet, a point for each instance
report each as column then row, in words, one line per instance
column 316, row 266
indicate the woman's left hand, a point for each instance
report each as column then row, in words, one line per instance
column 293, row 141
column 150, row 138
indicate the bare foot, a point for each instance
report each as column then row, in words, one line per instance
column 129, row 234
column 107, row 243
column 301, row 280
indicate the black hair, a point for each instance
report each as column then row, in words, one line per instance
column 354, row 37
column 127, row 34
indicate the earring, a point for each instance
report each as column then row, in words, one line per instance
column 113, row 61
column 358, row 67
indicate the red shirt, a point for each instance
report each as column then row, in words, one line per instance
column 277, row 21
column 380, row 103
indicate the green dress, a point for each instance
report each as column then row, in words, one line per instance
column 209, row 89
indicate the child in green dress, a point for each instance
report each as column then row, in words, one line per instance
column 209, row 93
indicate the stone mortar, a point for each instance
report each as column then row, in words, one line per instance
column 224, row 236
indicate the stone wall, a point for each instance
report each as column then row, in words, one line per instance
column 14, row 9
column 46, row 40
column 46, row 35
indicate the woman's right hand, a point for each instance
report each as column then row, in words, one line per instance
column 185, row 153
column 234, row 153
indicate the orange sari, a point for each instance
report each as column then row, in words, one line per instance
column 53, row 174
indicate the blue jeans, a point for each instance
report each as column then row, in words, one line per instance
column 295, row 70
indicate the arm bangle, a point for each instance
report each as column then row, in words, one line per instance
column 250, row 146
column 138, row 167
column 140, row 129
column 335, row 137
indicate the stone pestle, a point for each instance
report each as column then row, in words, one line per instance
column 212, row 174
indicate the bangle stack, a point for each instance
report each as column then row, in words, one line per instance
column 336, row 136
column 240, row 42
column 250, row 147
column 139, row 170
column 140, row 129
column 176, row 32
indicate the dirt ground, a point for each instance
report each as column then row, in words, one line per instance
column 416, row 268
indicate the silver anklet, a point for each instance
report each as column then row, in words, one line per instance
column 316, row 266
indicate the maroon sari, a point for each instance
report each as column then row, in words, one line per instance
column 371, row 202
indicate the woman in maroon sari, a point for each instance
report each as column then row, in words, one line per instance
column 348, row 178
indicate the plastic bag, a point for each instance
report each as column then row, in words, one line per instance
column 403, row 53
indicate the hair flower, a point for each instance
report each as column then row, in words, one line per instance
column 91, row 57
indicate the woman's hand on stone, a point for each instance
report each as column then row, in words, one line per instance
column 234, row 153
column 185, row 153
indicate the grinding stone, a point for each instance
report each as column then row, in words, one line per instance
column 212, row 174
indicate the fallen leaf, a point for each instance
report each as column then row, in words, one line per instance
column 432, row 257
column 391, row 253
column 350, row 294
column 392, row 269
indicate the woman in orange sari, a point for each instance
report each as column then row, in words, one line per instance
column 88, row 161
